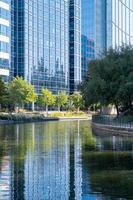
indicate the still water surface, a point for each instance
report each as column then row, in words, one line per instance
column 64, row 161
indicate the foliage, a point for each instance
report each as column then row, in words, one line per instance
column 61, row 99
column 110, row 80
column 3, row 93
column 31, row 95
column 47, row 98
column 21, row 92
column 76, row 100
column 22, row 117
column 68, row 114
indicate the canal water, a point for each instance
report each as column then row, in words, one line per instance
column 64, row 161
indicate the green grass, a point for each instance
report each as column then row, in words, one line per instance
column 68, row 114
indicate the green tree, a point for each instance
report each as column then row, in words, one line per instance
column 110, row 80
column 47, row 98
column 61, row 99
column 77, row 100
column 31, row 96
column 3, row 94
column 21, row 92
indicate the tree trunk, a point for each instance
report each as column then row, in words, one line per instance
column 58, row 108
column 22, row 105
column 33, row 106
column 78, row 110
column 117, row 109
column 130, row 104
column 16, row 108
column 47, row 110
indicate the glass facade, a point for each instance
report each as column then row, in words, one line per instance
column 5, row 28
column 96, row 30
column 88, row 37
column 50, row 42
column 75, row 44
column 41, row 43
column 100, row 26
column 122, row 22
column 105, row 23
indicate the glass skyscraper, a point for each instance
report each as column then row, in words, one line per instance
column 122, row 22
column 88, row 36
column 5, row 39
column 94, row 31
column 105, row 24
column 50, row 42
column 75, row 44
column 41, row 43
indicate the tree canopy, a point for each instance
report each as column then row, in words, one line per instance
column 110, row 79
column 61, row 99
column 47, row 98
column 21, row 92
column 76, row 100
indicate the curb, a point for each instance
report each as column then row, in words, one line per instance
column 112, row 129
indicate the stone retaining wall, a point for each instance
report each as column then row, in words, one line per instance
column 101, row 128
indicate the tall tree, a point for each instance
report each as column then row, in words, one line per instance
column 110, row 80
column 31, row 96
column 77, row 100
column 47, row 98
column 61, row 99
column 21, row 92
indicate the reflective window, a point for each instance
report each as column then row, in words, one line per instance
column 42, row 48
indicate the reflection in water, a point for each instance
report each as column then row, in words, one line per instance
column 5, row 178
column 64, row 161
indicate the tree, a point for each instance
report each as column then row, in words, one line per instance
column 31, row 96
column 110, row 80
column 77, row 100
column 47, row 98
column 21, row 92
column 3, row 93
column 61, row 99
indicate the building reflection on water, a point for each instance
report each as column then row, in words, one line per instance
column 59, row 161
column 39, row 164
column 5, row 178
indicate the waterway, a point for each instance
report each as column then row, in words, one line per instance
column 64, row 160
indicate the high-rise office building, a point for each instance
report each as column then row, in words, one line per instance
column 122, row 22
column 41, row 43
column 41, row 40
column 46, row 45
column 94, row 31
column 88, row 36
column 75, row 43
column 5, row 39
column 105, row 24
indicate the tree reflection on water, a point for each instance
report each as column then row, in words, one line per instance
column 64, row 160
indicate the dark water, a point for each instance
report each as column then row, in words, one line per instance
column 64, row 161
